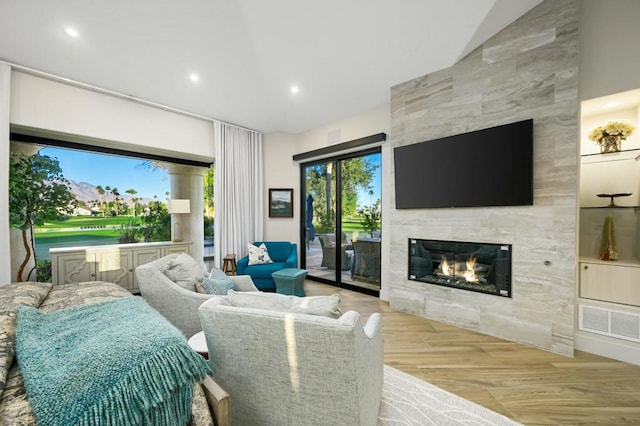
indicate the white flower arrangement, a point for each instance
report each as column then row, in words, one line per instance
column 622, row 128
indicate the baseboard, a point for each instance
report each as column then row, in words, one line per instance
column 617, row 349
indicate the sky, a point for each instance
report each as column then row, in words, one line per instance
column 364, row 199
column 110, row 170
column 127, row 173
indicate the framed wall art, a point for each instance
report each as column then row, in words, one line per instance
column 280, row 202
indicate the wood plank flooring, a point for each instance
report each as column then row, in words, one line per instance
column 529, row 385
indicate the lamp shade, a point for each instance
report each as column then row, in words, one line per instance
column 179, row 206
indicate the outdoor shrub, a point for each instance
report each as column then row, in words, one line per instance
column 43, row 271
column 370, row 217
column 130, row 232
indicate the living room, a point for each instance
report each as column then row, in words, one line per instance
column 488, row 87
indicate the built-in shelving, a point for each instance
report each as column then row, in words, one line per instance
column 608, row 292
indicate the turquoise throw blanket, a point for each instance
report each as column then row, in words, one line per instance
column 109, row 363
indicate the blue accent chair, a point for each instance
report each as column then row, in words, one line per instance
column 284, row 255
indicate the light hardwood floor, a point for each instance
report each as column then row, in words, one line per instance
column 529, row 385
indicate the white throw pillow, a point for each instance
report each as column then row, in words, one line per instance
column 258, row 255
column 185, row 271
column 326, row 306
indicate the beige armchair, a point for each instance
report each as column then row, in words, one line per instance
column 292, row 368
column 175, row 303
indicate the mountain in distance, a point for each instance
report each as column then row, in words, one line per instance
column 87, row 192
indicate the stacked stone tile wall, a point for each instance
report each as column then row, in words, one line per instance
column 528, row 70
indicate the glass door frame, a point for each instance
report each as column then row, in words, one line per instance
column 337, row 279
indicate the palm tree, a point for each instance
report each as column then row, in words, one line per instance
column 100, row 190
column 107, row 190
column 133, row 192
column 116, row 194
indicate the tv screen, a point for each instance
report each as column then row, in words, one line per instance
column 489, row 167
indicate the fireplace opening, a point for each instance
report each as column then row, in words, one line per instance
column 481, row 267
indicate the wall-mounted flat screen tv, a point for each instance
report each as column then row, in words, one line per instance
column 489, row 167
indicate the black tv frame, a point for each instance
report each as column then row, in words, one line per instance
column 483, row 168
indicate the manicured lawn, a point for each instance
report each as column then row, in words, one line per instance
column 45, row 241
column 88, row 221
column 81, row 231
column 351, row 224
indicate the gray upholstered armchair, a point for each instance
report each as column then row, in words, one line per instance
column 292, row 368
column 175, row 303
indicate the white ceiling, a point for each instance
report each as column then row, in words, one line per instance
column 343, row 54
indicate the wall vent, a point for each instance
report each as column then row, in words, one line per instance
column 622, row 325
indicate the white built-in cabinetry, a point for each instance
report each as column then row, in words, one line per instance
column 114, row 263
column 609, row 291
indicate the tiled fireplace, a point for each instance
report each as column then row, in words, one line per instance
column 480, row 267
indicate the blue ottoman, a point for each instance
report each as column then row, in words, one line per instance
column 290, row 281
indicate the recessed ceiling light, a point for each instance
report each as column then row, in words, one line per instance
column 194, row 77
column 295, row 89
column 611, row 104
column 72, row 32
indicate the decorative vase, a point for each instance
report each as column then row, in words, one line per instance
column 610, row 143
column 608, row 241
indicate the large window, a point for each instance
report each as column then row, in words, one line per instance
column 119, row 199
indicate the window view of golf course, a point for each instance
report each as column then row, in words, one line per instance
column 116, row 200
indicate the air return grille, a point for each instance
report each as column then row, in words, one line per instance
column 622, row 325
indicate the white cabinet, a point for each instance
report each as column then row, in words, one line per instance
column 74, row 267
column 113, row 263
column 607, row 282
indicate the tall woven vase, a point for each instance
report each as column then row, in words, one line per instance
column 608, row 241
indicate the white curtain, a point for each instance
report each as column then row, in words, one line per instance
column 238, row 190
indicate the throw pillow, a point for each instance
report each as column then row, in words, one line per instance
column 219, row 274
column 217, row 286
column 11, row 296
column 259, row 255
column 200, row 289
column 185, row 271
column 326, row 306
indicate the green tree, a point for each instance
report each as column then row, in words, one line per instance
column 357, row 173
column 156, row 223
column 370, row 217
column 134, row 199
column 38, row 192
column 116, row 194
column 208, row 193
column 107, row 191
column 101, row 192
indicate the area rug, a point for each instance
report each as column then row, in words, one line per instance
column 407, row 400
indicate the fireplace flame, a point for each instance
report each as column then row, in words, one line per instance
column 446, row 269
column 470, row 273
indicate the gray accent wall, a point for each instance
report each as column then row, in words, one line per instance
column 528, row 70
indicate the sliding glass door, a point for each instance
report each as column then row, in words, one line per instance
column 341, row 221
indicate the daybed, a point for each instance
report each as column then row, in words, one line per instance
column 15, row 407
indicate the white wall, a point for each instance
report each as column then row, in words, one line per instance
column 5, row 252
column 609, row 38
column 363, row 124
column 41, row 103
column 280, row 171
